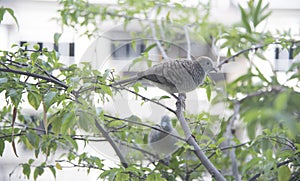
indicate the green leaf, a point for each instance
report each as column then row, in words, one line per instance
column 26, row 170
column 155, row 177
column 257, row 13
column 30, row 161
column 56, row 122
column 84, row 121
column 133, row 45
column 122, row 177
column 164, row 97
column 106, row 89
column 52, row 169
column 281, row 100
column 245, row 19
column 2, row 146
column 284, row 173
column 33, row 139
column 56, row 38
column 2, row 12
column 49, row 99
column 34, row 99
column 11, row 12
column 36, row 47
column 15, row 96
column 251, row 129
column 72, row 141
column 208, row 92
column 3, row 80
column 150, row 47
column 136, row 87
column 37, row 172
column 68, row 121
column 253, row 162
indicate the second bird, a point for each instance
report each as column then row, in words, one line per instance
column 177, row 76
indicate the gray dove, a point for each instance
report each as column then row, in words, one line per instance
column 179, row 76
column 162, row 143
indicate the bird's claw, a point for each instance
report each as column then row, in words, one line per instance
column 181, row 100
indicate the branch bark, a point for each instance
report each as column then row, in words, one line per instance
column 229, row 136
column 190, row 139
column 112, row 143
column 49, row 79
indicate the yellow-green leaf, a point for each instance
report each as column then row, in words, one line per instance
column 284, row 173
column 58, row 166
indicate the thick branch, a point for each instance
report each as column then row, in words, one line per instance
column 112, row 143
column 192, row 141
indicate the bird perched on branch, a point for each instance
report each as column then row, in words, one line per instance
column 162, row 143
column 179, row 76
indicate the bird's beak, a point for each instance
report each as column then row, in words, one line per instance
column 214, row 69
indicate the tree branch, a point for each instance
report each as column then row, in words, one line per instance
column 144, row 98
column 145, row 125
column 222, row 149
column 253, row 48
column 190, row 139
column 161, row 49
column 49, row 79
column 229, row 135
column 112, row 143
column 188, row 42
column 254, row 178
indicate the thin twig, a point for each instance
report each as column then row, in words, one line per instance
column 145, row 125
column 222, row 149
column 188, row 42
column 49, row 79
column 253, row 48
column 144, row 98
column 161, row 49
column 277, row 165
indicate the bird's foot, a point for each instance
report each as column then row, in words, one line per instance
column 181, row 100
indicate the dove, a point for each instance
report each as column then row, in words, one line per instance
column 178, row 76
column 162, row 143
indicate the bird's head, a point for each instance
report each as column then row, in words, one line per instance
column 165, row 123
column 207, row 64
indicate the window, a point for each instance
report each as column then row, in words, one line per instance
column 65, row 49
column 124, row 50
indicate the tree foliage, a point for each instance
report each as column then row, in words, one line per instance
column 265, row 106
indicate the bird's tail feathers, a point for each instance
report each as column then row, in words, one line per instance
column 126, row 81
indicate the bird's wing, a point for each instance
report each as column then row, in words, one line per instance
column 175, row 74
column 170, row 74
